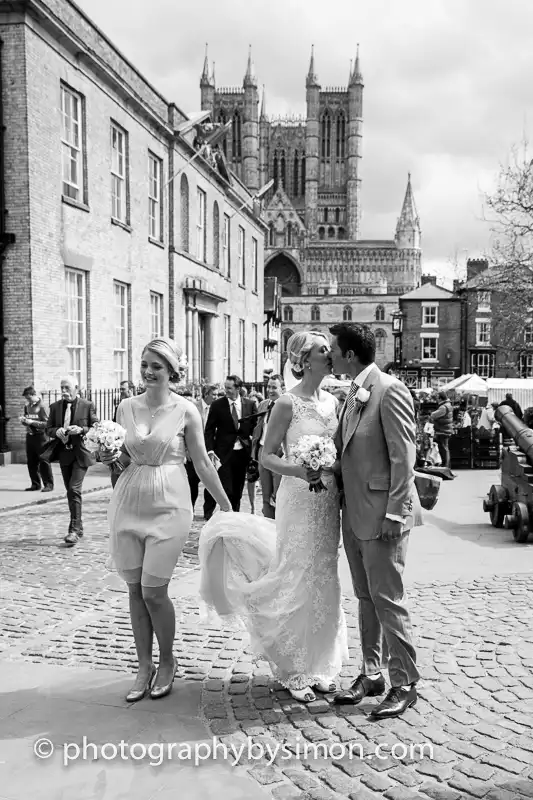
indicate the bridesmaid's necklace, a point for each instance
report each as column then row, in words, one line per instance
column 158, row 409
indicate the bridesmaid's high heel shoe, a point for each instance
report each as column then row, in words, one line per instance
column 161, row 691
column 137, row 694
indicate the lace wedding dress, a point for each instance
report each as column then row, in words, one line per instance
column 280, row 578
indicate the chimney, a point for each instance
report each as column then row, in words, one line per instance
column 474, row 266
column 457, row 285
column 429, row 279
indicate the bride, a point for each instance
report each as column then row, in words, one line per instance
column 280, row 578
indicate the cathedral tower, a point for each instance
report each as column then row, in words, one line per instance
column 207, row 86
column 311, row 149
column 264, row 136
column 250, row 143
column 355, row 134
column 408, row 227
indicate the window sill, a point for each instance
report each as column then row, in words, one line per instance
column 485, row 345
column 241, row 286
column 69, row 201
column 426, row 325
column 156, row 242
column 254, row 291
column 429, row 360
column 122, row 225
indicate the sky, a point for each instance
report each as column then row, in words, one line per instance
column 448, row 90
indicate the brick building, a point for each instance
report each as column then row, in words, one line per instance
column 497, row 330
column 108, row 253
column 427, row 335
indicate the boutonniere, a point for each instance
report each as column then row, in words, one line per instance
column 362, row 396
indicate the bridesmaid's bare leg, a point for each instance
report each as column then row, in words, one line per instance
column 143, row 634
column 161, row 610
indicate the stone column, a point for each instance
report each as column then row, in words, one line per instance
column 195, row 346
column 210, row 348
column 188, row 341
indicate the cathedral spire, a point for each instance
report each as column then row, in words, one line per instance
column 263, row 106
column 249, row 78
column 312, row 79
column 213, row 83
column 205, row 72
column 408, row 227
column 356, row 75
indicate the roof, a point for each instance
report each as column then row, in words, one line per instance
column 500, row 275
column 428, row 291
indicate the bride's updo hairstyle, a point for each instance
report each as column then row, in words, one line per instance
column 171, row 354
column 298, row 348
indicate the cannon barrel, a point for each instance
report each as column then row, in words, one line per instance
column 517, row 430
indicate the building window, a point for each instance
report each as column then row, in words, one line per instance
column 430, row 316
column 287, row 314
column 286, row 335
column 226, row 244
column 255, row 265
column 184, row 213
column 380, row 337
column 380, row 313
column 528, row 333
column 216, row 236
column 200, row 225
column 347, row 314
column 483, row 364
column 242, row 265
column 76, row 291
column 326, row 135
column 341, row 134
column 482, row 334
column 315, row 314
column 526, row 365
column 227, row 334
column 303, row 176
column 156, row 311
column 483, row 301
column 155, row 198
column 236, row 135
column 254, row 351
column 73, row 145
column 295, row 176
column 289, row 234
column 242, row 348
column 271, row 234
column 429, row 348
column 120, row 351
column 119, row 174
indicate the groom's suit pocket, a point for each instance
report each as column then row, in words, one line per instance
column 379, row 484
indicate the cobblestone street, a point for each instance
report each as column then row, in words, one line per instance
column 62, row 608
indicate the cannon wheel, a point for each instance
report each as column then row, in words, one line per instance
column 498, row 505
column 521, row 517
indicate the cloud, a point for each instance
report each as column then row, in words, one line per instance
column 447, row 89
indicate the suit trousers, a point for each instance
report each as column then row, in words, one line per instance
column 232, row 476
column 73, row 475
column 194, row 481
column 38, row 470
column 269, row 486
column 384, row 624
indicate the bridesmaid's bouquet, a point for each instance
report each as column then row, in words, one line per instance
column 316, row 453
column 106, row 437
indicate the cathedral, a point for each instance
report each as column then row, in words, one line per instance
column 325, row 271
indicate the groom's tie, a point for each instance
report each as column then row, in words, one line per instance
column 350, row 400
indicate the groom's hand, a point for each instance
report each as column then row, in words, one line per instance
column 390, row 530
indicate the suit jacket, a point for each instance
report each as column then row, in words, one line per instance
column 85, row 416
column 220, row 431
column 378, row 453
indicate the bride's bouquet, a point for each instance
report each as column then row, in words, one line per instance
column 106, row 437
column 316, row 453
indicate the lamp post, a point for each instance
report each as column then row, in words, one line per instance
column 397, row 330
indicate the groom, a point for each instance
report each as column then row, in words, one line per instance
column 376, row 440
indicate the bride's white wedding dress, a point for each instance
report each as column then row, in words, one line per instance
column 280, row 578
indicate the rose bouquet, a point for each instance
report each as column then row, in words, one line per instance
column 106, row 437
column 316, row 453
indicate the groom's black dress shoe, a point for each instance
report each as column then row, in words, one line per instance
column 360, row 688
column 398, row 700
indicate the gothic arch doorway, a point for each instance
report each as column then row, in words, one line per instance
column 285, row 270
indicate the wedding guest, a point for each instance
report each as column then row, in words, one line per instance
column 34, row 420
column 70, row 419
column 203, row 405
column 442, row 420
column 513, row 405
column 150, row 511
column 228, row 438
column 269, row 480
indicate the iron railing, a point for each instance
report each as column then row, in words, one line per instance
column 105, row 400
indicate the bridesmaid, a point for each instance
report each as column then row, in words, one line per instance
column 150, row 513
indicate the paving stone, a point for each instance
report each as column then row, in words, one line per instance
column 502, row 762
column 265, row 775
column 473, row 769
column 439, row 792
column 469, row 786
column 401, row 793
column 287, row 792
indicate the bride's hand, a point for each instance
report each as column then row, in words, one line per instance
column 109, row 456
column 309, row 475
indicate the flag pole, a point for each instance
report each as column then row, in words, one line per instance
column 184, row 167
column 254, row 197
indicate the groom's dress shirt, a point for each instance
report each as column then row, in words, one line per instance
column 358, row 381
column 237, row 404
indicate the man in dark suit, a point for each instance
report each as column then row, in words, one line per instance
column 209, row 394
column 269, row 480
column 228, row 440
column 69, row 420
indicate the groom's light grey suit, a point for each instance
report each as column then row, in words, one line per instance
column 377, row 445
